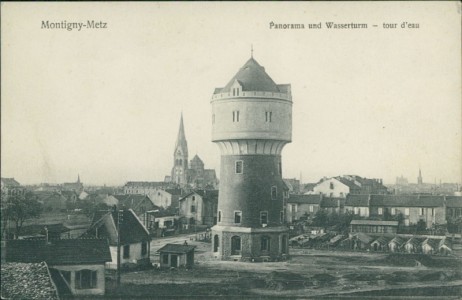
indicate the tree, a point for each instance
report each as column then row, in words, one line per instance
column 19, row 208
column 320, row 218
column 421, row 226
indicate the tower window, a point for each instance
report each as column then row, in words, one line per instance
column 281, row 216
column 268, row 116
column 219, row 216
column 237, row 217
column 274, row 192
column 239, row 167
column 235, row 116
column 264, row 217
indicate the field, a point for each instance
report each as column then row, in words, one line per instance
column 308, row 274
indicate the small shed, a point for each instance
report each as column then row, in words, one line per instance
column 396, row 244
column 430, row 246
column 413, row 245
column 445, row 246
column 380, row 244
column 176, row 255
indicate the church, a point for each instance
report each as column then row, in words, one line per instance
column 192, row 173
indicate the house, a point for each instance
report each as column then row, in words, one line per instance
column 358, row 205
column 39, row 282
column 333, row 187
column 429, row 208
column 430, row 246
column 374, row 226
column 333, row 205
column 413, row 245
column 140, row 204
column 199, row 207
column 160, row 223
column 396, row 244
column 176, row 255
column 71, row 196
column 134, row 237
column 357, row 241
column 453, row 206
column 299, row 206
column 166, row 198
column 445, row 246
column 380, row 244
column 10, row 187
column 73, row 186
column 79, row 262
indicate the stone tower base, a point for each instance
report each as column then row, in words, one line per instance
column 256, row 244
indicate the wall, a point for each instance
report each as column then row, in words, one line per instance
column 135, row 255
column 185, row 208
column 339, row 189
column 100, row 279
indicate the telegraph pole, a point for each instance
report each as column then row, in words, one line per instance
column 119, row 220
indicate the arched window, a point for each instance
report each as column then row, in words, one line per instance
column 216, row 241
column 236, row 245
column 219, row 216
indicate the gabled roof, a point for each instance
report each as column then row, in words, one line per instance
column 305, row 199
column 362, row 237
column 382, row 240
column 104, row 225
column 357, row 200
column 398, row 240
column 177, row 248
column 132, row 201
column 58, row 252
column 9, row 182
column 445, row 242
column 374, row 222
column 415, row 242
column 205, row 194
column 27, row 281
column 434, row 243
column 252, row 77
column 174, row 192
column 407, row 200
column 348, row 183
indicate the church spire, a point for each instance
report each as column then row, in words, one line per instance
column 78, row 178
column 181, row 139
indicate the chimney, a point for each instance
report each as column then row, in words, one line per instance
column 46, row 234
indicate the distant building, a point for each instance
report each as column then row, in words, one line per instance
column 10, row 187
column 341, row 186
column 199, row 207
column 401, row 181
column 166, row 198
column 293, row 184
column 73, row 186
column 140, row 204
column 302, row 206
column 51, row 201
column 374, row 226
column 454, row 206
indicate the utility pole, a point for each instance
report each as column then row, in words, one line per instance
column 119, row 220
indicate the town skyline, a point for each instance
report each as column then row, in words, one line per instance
column 106, row 104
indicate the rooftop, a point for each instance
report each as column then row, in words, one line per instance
column 177, row 248
column 251, row 77
column 27, row 281
column 58, row 252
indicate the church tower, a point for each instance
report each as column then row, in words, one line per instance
column 251, row 123
column 419, row 179
column 180, row 157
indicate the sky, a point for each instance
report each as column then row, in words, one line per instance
column 106, row 103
